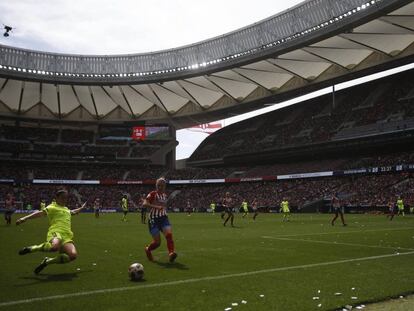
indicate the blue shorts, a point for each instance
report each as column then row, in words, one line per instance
column 157, row 225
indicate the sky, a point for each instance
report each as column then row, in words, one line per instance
column 130, row 26
column 126, row 26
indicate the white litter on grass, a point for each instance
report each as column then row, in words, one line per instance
column 397, row 253
column 261, row 296
column 77, row 269
column 227, row 309
column 319, row 291
column 244, row 302
column 234, row 304
column 354, row 298
column 353, row 288
column 338, row 294
column 94, row 264
column 401, row 297
column 315, row 298
column 319, row 305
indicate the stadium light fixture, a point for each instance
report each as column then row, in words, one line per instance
column 207, row 62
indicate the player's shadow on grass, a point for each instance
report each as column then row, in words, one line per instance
column 169, row 265
column 45, row 278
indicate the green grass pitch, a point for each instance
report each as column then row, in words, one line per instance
column 287, row 263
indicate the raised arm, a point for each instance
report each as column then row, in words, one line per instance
column 35, row 214
column 77, row 211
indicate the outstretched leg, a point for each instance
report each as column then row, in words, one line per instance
column 68, row 254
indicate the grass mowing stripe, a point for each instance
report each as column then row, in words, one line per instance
column 338, row 243
column 340, row 232
column 194, row 280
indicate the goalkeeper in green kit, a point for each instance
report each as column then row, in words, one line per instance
column 59, row 236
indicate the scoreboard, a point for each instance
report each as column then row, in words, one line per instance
column 138, row 133
column 150, row 132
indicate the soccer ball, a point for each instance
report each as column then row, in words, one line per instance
column 136, row 272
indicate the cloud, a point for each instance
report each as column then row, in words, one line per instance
column 126, row 26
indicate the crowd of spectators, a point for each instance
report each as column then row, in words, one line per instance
column 55, row 172
column 316, row 120
column 58, row 141
column 58, row 148
column 144, row 173
column 36, row 133
column 120, row 172
column 365, row 190
column 357, row 191
column 76, row 136
column 104, row 172
column 14, row 146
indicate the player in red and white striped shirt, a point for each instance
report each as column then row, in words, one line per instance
column 156, row 202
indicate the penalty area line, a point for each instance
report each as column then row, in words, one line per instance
column 195, row 280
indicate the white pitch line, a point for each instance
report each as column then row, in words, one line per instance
column 347, row 231
column 195, row 280
column 339, row 243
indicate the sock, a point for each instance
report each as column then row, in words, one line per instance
column 170, row 243
column 59, row 259
column 44, row 247
column 153, row 245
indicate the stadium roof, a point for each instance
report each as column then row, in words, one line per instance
column 306, row 47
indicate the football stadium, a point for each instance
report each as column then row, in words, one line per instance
column 300, row 206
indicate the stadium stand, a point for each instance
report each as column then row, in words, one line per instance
column 375, row 108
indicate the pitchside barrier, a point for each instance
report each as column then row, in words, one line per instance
column 358, row 171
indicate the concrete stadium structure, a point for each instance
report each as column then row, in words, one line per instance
column 312, row 45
